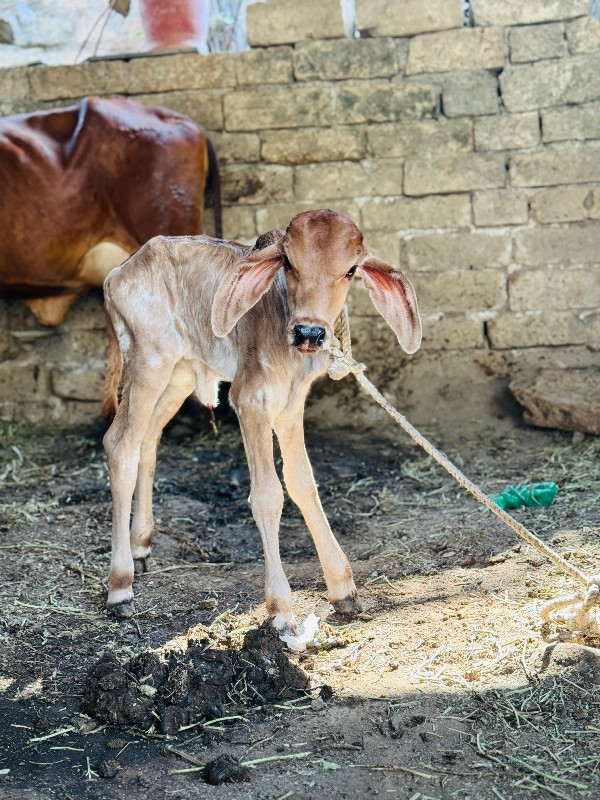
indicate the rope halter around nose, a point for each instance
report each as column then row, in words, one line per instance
column 579, row 611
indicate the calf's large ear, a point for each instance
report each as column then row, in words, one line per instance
column 395, row 299
column 243, row 288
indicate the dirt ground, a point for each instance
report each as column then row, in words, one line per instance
column 448, row 688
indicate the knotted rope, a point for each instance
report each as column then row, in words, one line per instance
column 579, row 611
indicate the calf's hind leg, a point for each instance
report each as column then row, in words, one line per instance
column 122, row 444
column 182, row 384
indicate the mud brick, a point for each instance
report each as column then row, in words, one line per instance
column 451, row 331
column 270, row 65
column 572, row 122
column 439, row 251
column 278, row 107
column 83, row 382
column 575, row 244
column 583, row 35
column 249, row 184
column 204, row 107
column 320, row 181
column 341, row 59
column 180, row 71
column 381, row 101
column 411, row 138
column 78, row 80
column 551, row 83
column 238, row 222
column 544, row 329
column 382, row 18
column 289, row 21
column 310, row 145
column 399, row 213
column 554, row 166
column 470, row 94
column 534, row 42
column 500, row 207
column 518, row 12
column 456, row 173
column 278, row 216
column 507, row 132
column 461, row 49
column 236, row 147
column 555, row 289
column 566, row 204
column 473, row 290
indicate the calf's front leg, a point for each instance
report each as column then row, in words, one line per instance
column 300, row 483
column 266, row 501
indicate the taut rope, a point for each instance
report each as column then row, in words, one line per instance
column 580, row 611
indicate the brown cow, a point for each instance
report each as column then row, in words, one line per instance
column 83, row 187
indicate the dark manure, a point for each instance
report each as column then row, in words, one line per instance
column 225, row 769
column 171, row 689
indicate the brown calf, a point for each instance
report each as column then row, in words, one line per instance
column 185, row 313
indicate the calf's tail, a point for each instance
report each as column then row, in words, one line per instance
column 110, row 396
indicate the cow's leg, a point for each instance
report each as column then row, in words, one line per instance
column 182, row 384
column 266, row 500
column 99, row 260
column 122, row 444
column 51, row 310
column 300, row 483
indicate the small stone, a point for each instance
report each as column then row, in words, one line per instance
column 396, row 725
column 108, row 768
column 567, row 399
column 318, row 704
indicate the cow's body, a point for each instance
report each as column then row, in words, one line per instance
column 83, row 187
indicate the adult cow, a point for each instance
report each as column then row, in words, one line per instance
column 83, row 187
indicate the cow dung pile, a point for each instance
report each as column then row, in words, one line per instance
column 173, row 688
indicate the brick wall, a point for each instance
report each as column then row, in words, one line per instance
column 469, row 156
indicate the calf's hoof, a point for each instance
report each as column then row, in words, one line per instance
column 348, row 607
column 122, row 610
column 285, row 623
column 141, row 565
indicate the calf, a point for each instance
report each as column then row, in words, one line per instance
column 188, row 312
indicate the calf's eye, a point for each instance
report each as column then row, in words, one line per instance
column 351, row 271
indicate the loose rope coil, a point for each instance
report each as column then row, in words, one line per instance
column 579, row 611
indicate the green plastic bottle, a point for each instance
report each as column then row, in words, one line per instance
column 536, row 494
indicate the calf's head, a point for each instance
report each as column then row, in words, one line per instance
column 320, row 252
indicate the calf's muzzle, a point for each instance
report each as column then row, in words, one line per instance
column 313, row 335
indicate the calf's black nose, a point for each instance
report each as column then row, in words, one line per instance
column 313, row 334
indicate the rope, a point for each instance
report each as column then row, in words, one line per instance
column 576, row 609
